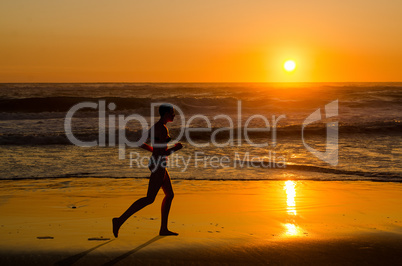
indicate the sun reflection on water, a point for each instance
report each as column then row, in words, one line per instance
column 290, row 196
column 291, row 228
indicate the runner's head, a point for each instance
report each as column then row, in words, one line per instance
column 167, row 111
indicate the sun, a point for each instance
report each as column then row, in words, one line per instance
column 289, row 65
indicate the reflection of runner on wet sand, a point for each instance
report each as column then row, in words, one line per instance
column 159, row 175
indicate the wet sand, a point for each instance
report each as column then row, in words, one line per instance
column 68, row 221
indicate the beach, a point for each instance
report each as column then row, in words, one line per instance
column 68, row 221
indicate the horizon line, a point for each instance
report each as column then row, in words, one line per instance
column 184, row 82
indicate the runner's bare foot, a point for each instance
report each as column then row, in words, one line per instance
column 167, row 233
column 116, row 227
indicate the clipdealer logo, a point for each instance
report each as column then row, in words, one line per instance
column 330, row 155
column 107, row 124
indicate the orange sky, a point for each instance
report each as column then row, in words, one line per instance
column 200, row 41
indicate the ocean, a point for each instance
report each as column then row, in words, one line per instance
column 246, row 131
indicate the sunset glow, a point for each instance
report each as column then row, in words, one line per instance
column 205, row 41
column 200, row 132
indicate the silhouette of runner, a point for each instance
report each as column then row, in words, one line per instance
column 159, row 174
